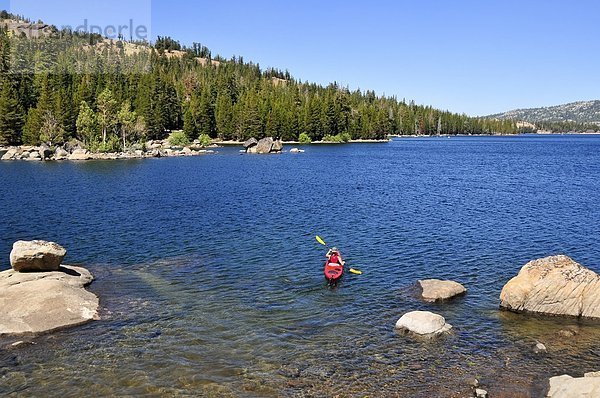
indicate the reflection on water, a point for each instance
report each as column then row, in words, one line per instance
column 211, row 283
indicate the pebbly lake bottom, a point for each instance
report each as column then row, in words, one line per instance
column 165, row 333
column 211, row 281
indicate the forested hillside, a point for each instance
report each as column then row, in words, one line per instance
column 110, row 93
column 576, row 116
column 577, row 112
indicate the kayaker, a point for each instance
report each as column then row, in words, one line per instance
column 334, row 256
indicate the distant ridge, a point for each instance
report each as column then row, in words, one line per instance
column 578, row 112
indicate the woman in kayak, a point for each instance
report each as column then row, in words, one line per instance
column 334, row 256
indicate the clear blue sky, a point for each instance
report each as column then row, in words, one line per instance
column 472, row 56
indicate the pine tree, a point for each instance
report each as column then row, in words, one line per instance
column 314, row 127
column 190, row 117
column 12, row 115
column 32, row 127
column 224, row 117
column 250, row 125
column 206, row 113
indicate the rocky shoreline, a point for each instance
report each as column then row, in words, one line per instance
column 76, row 151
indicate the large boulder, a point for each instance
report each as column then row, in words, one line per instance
column 437, row 290
column 250, row 143
column 34, row 156
column 568, row 387
column 73, row 145
column 277, row 146
column 36, row 256
column 41, row 302
column 555, row 286
column 80, row 154
column 10, row 154
column 265, row 145
column 60, row 154
column 423, row 323
column 46, row 152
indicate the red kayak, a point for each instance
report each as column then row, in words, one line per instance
column 333, row 272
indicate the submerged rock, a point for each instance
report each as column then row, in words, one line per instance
column 566, row 386
column 567, row 333
column 40, row 302
column 481, row 393
column 554, row 286
column 423, row 323
column 37, row 255
column 540, row 349
column 436, row 290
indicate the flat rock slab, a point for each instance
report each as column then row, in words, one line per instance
column 568, row 387
column 438, row 290
column 554, row 286
column 423, row 323
column 38, row 302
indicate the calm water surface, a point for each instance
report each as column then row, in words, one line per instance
column 211, row 281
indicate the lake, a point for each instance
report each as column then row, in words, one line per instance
column 210, row 277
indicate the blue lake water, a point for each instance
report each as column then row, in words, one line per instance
column 211, row 281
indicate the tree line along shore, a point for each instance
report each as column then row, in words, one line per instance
column 110, row 94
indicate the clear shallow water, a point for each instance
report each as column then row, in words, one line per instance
column 211, row 281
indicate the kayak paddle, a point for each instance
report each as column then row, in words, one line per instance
column 352, row 270
column 321, row 241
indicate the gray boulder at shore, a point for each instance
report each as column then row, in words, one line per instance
column 37, row 255
column 61, row 154
column 265, row 145
column 10, row 153
column 250, row 143
column 554, row 286
column 568, row 387
column 277, row 146
column 80, row 154
column 423, row 323
column 46, row 152
column 437, row 290
column 43, row 301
